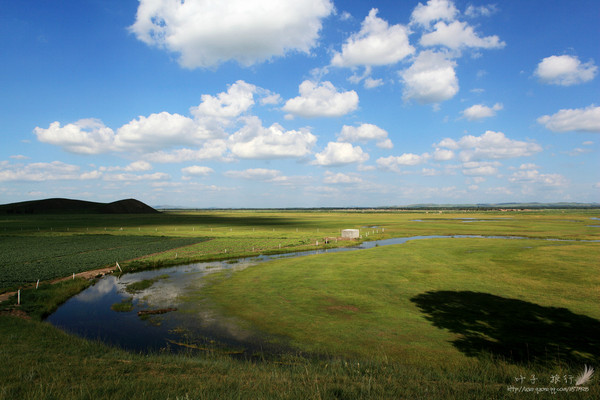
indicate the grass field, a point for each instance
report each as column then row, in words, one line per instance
column 440, row 318
column 521, row 300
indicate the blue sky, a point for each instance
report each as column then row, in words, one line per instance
column 306, row 103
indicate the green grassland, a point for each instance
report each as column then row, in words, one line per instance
column 43, row 247
column 440, row 318
column 520, row 300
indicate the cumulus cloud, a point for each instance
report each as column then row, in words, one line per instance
column 238, row 99
column 434, row 10
column 364, row 133
column 157, row 176
column 206, row 34
column 255, row 141
column 456, row 35
column 371, row 83
column 338, row 153
column 565, row 70
column 321, row 100
column 528, row 175
column 490, row 145
column 157, row 131
column 211, row 150
column 165, row 137
column 430, row 79
column 340, row 178
column 479, row 111
column 393, row 163
column 86, row 136
column 40, row 172
column 443, row 154
column 143, row 134
column 270, row 98
column 257, row 174
column 377, row 43
column 477, row 169
column 579, row 119
column 135, row 166
column 197, row 170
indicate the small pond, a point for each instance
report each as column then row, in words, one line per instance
column 174, row 315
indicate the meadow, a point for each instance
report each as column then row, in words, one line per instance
column 436, row 318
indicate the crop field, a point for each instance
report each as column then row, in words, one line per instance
column 28, row 258
column 494, row 316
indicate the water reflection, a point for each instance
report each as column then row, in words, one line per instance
column 194, row 324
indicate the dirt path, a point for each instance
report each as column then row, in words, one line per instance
column 84, row 275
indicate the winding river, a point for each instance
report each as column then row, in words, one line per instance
column 191, row 323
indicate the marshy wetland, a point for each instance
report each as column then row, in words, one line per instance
column 459, row 314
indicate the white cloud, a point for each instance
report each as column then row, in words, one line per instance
column 156, row 132
column 238, row 99
column 393, row 163
column 528, row 176
column 431, row 78
column 197, row 170
column 363, row 168
column 151, row 137
column 443, row 154
column 270, row 98
column 490, row 145
column 364, row 133
column 257, row 174
column 474, row 168
column 578, row 151
column 371, row 83
column 206, row 34
column 255, row 141
column 41, row 171
column 135, row 166
column 86, row 136
column 579, row 119
column 565, row 70
column 376, row 43
column 429, row 172
column 339, row 177
column 448, row 143
column 19, row 157
column 528, row 166
column 458, row 35
column 385, row 144
column 211, row 150
column 479, row 111
column 476, row 11
column 345, row 16
column 434, row 10
column 157, row 176
column 337, row 153
column 138, row 166
column 322, row 100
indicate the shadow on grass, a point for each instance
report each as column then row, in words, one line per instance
column 516, row 330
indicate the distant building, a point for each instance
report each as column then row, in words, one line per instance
column 350, row 233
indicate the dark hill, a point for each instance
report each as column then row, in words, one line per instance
column 69, row 206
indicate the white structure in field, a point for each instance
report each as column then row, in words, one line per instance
column 350, row 233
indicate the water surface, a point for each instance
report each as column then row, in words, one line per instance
column 194, row 324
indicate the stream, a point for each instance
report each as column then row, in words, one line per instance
column 190, row 324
